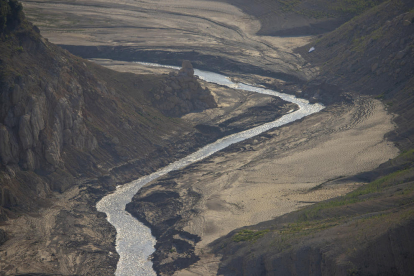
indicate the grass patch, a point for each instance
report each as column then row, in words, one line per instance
column 361, row 43
column 19, row 49
column 354, row 197
column 409, row 154
column 308, row 227
column 249, row 235
column 290, row 233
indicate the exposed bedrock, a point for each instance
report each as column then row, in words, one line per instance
column 181, row 93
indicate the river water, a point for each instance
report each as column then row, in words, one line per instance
column 134, row 241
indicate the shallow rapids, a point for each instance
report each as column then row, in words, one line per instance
column 134, row 240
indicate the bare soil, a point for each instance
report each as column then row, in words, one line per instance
column 251, row 182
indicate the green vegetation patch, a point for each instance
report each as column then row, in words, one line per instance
column 249, row 235
column 290, row 233
column 360, row 44
column 304, row 228
column 408, row 154
column 355, row 196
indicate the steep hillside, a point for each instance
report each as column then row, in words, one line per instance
column 62, row 116
column 372, row 55
column 70, row 131
column 302, row 17
column 366, row 232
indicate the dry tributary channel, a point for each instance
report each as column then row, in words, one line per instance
column 134, row 241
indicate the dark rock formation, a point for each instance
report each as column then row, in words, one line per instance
column 181, row 93
column 2, row 236
column 165, row 212
column 68, row 123
column 62, row 117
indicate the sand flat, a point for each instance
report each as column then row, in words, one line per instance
column 266, row 179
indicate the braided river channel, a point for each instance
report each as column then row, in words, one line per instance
column 134, row 242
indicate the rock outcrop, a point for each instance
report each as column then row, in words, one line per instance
column 63, row 119
column 181, row 93
column 72, row 127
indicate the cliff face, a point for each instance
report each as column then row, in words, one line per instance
column 64, row 119
column 70, row 131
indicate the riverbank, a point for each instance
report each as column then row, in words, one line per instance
column 272, row 163
column 259, row 179
column 68, row 235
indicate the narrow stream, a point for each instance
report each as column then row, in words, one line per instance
column 134, row 240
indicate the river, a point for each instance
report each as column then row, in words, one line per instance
column 134, row 241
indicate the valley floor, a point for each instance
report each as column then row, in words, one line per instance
column 305, row 162
column 276, row 173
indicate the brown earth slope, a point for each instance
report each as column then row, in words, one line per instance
column 366, row 232
column 70, row 131
column 302, row 17
column 372, row 54
column 259, row 54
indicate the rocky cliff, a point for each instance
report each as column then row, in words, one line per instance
column 70, row 131
column 62, row 117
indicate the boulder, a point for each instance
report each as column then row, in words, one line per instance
column 36, row 121
column 187, row 69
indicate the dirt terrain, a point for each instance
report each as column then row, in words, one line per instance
column 305, row 162
column 262, row 178
column 205, row 32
